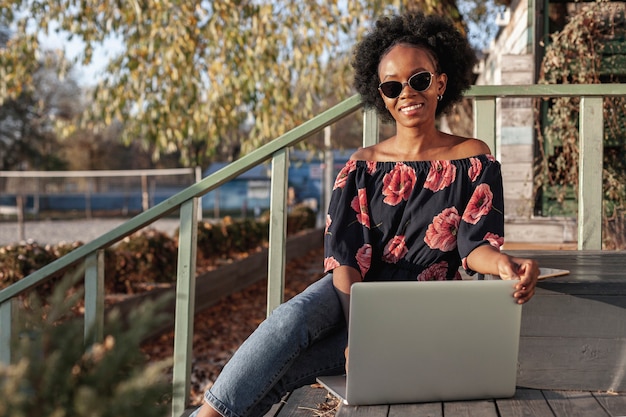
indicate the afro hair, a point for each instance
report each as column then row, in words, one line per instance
column 451, row 51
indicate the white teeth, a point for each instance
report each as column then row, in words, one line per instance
column 411, row 108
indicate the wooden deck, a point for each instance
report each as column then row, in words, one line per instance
column 572, row 358
column 305, row 402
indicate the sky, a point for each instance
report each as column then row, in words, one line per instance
column 85, row 75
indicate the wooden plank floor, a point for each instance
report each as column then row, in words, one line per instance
column 304, row 402
column 596, row 283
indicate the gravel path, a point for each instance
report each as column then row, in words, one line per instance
column 83, row 230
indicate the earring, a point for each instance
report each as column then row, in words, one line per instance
column 439, row 97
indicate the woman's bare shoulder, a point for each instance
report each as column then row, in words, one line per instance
column 364, row 154
column 468, row 147
column 456, row 147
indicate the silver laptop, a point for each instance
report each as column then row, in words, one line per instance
column 430, row 341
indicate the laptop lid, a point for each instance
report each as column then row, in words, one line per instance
column 430, row 341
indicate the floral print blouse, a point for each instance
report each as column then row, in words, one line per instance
column 415, row 220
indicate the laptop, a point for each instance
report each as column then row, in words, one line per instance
column 430, row 341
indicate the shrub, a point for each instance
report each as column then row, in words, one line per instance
column 150, row 256
column 145, row 257
column 54, row 374
column 230, row 237
column 211, row 241
column 300, row 218
column 21, row 260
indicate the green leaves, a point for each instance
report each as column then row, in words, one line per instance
column 55, row 374
column 197, row 74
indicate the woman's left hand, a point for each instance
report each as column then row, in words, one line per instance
column 525, row 270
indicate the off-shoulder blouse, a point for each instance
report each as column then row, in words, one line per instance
column 416, row 220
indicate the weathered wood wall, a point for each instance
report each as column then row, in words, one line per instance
column 573, row 334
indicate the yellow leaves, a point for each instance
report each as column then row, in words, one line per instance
column 17, row 66
column 574, row 56
column 173, row 71
column 208, row 69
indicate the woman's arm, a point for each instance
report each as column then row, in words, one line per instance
column 343, row 278
column 486, row 259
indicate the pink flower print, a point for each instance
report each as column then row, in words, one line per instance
column 435, row 272
column 329, row 221
column 441, row 233
column 398, row 184
column 479, row 205
column 330, row 263
column 491, row 158
column 342, row 177
column 440, row 176
column 395, row 250
column 364, row 258
column 359, row 204
column 475, row 169
column 371, row 167
column 494, row 240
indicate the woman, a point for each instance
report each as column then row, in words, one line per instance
column 416, row 206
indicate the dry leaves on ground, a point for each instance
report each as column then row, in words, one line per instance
column 219, row 330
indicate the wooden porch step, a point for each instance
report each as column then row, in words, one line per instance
column 571, row 351
column 305, row 401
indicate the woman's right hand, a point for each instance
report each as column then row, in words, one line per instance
column 346, row 352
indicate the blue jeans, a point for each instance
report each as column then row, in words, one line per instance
column 302, row 339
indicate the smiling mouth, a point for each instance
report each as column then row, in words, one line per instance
column 408, row 109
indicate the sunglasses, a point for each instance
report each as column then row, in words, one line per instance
column 419, row 81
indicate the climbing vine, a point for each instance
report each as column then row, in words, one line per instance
column 590, row 49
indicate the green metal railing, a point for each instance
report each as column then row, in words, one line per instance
column 187, row 201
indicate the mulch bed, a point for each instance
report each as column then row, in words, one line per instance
column 219, row 330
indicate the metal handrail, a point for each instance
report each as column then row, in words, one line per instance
column 92, row 254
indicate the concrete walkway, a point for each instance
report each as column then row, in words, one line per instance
column 84, row 230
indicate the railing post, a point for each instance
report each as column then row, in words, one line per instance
column 590, row 173
column 485, row 122
column 6, row 330
column 198, row 178
column 94, row 297
column 185, row 305
column 278, row 230
column 370, row 127
column 328, row 177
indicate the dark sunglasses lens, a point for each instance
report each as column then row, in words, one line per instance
column 391, row 89
column 420, row 81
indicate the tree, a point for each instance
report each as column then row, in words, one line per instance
column 588, row 50
column 54, row 374
column 4, row 36
column 480, row 18
column 200, row 77
column 194, row 73
column 28, row 121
